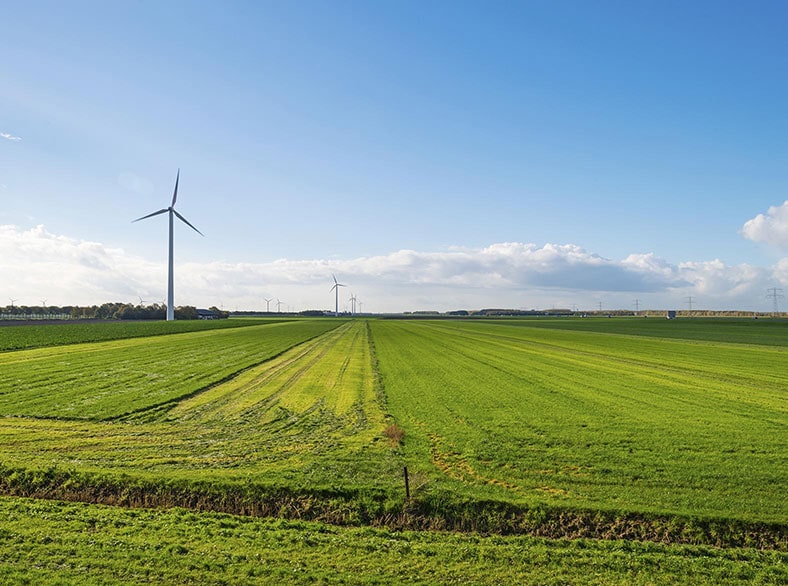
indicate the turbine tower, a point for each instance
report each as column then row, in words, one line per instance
column 172, row 212
column 335, row 289
column 268, row 304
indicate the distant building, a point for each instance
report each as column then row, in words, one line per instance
column 207, row 314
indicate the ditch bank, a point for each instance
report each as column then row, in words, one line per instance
column 435, row 511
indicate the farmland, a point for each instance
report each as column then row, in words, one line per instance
column 16, row 337
column 562, row 428
column 590, row 420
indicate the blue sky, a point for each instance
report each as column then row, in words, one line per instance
column 434, row 155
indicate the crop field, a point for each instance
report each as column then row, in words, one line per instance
column 505, row 426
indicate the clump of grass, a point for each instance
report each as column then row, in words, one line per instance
column 395, row 434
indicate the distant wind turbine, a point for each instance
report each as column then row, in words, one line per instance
column 352, row 304
column 12, row 302
column 172, row 212
column 278, row 305
column 335, row 289
column 267, row 306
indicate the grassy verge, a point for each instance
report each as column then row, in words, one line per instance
column 45, row 542
column 364, row 505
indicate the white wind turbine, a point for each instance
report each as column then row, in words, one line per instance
column 268, row 304
column 279, row 305
column 335, row 289
column 172, row 212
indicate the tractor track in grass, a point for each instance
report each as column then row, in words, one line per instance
column 222, row 397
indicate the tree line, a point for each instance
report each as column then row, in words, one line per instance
column 115, row 310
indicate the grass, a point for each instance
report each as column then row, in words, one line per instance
column 584, row 420
column 307, row 416
column 105, row 380
column 21, row 337
column 504, row 427
column 47, row 542
column 770, row 332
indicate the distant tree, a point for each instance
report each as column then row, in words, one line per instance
column 313, row 313
column 186, row 312
column 219, row 313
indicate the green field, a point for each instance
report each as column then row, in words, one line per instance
column 591, row 420
column 633, row 429
column 770, row 332
column 19, row 337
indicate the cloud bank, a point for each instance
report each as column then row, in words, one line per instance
column 36, row 264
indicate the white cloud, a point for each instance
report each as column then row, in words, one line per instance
column 9, row 136
column 37, row 264
column 781, row 271
column 771, row 227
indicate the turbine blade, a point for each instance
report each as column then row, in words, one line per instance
column 151, row 215
column 175, row 193
column 185, row 221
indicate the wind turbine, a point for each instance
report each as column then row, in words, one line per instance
column 278, row 305
column 335, row 289
column 352, row 304
column 267, row 304
column 12, row 302
column 172, row 212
